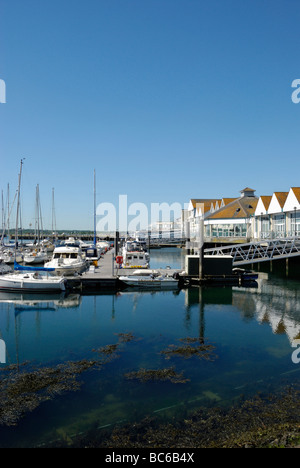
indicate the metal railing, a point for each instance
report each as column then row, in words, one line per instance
column 255, row 252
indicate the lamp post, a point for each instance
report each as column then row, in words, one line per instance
column 295, row 221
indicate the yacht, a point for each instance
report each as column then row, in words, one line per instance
column 68, row 260
column 135, row 255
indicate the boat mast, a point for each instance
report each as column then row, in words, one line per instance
column 18, row 208
column 95, row 239
column 8, row 213
column 2, row 211
column 53, row 217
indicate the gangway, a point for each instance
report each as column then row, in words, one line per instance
column 256, row 252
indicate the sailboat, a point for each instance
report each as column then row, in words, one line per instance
column 38, row 254
column 8, row 252
column 29, row 279
column 92, row 250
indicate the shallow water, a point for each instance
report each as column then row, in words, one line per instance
column 252, row 331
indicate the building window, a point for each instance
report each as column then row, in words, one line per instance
column 295, row 223
column 229, row 230
column 279, row 223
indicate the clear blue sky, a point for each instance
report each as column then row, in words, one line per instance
column 167, row 99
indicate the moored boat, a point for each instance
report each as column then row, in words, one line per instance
column 149, row 279
column 68, row 260
column 35, row 257
column 135, row 255
column 9, row 257
column 31, row 281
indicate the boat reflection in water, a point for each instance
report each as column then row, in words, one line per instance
column 39, row 302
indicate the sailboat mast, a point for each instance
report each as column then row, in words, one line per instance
column 95, row 240
column 8, row 213
column 2, row 200
column 18, row 208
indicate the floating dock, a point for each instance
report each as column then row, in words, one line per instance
column 105, row 277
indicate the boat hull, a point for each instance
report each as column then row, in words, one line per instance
column 35, row 259
column 31, row 283
column 149, row 283
column 66, row 270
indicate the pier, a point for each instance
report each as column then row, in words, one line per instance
column 100, row 278
column 105, row 276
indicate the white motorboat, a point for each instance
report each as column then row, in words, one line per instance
column 68, row 260
column 31, row 282
column 135, row 255
column 103, row 246
column 149, row 279
column 92, row 253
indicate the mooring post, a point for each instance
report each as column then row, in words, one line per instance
column 201, row 246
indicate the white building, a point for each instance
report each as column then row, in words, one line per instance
column 278, row 216
column 245, row 218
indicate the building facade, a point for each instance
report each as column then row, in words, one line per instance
column 243, row 219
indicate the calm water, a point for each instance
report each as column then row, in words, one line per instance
column 252, row 330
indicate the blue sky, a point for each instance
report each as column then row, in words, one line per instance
column 167, row 99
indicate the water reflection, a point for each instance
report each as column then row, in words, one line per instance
column 273, row 303
column 276, row 303
column 248, row 326
column 39, row 302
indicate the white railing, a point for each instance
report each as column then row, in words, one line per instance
column 255, row 252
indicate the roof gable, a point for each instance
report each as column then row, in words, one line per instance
column 296, row 191
column 243, row 207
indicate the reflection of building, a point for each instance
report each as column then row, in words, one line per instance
column 282, row 314
column 276, row 306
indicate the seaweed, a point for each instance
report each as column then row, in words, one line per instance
column 191, row 347
column 24, row 387
column 146, row 375
column 270, row 421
